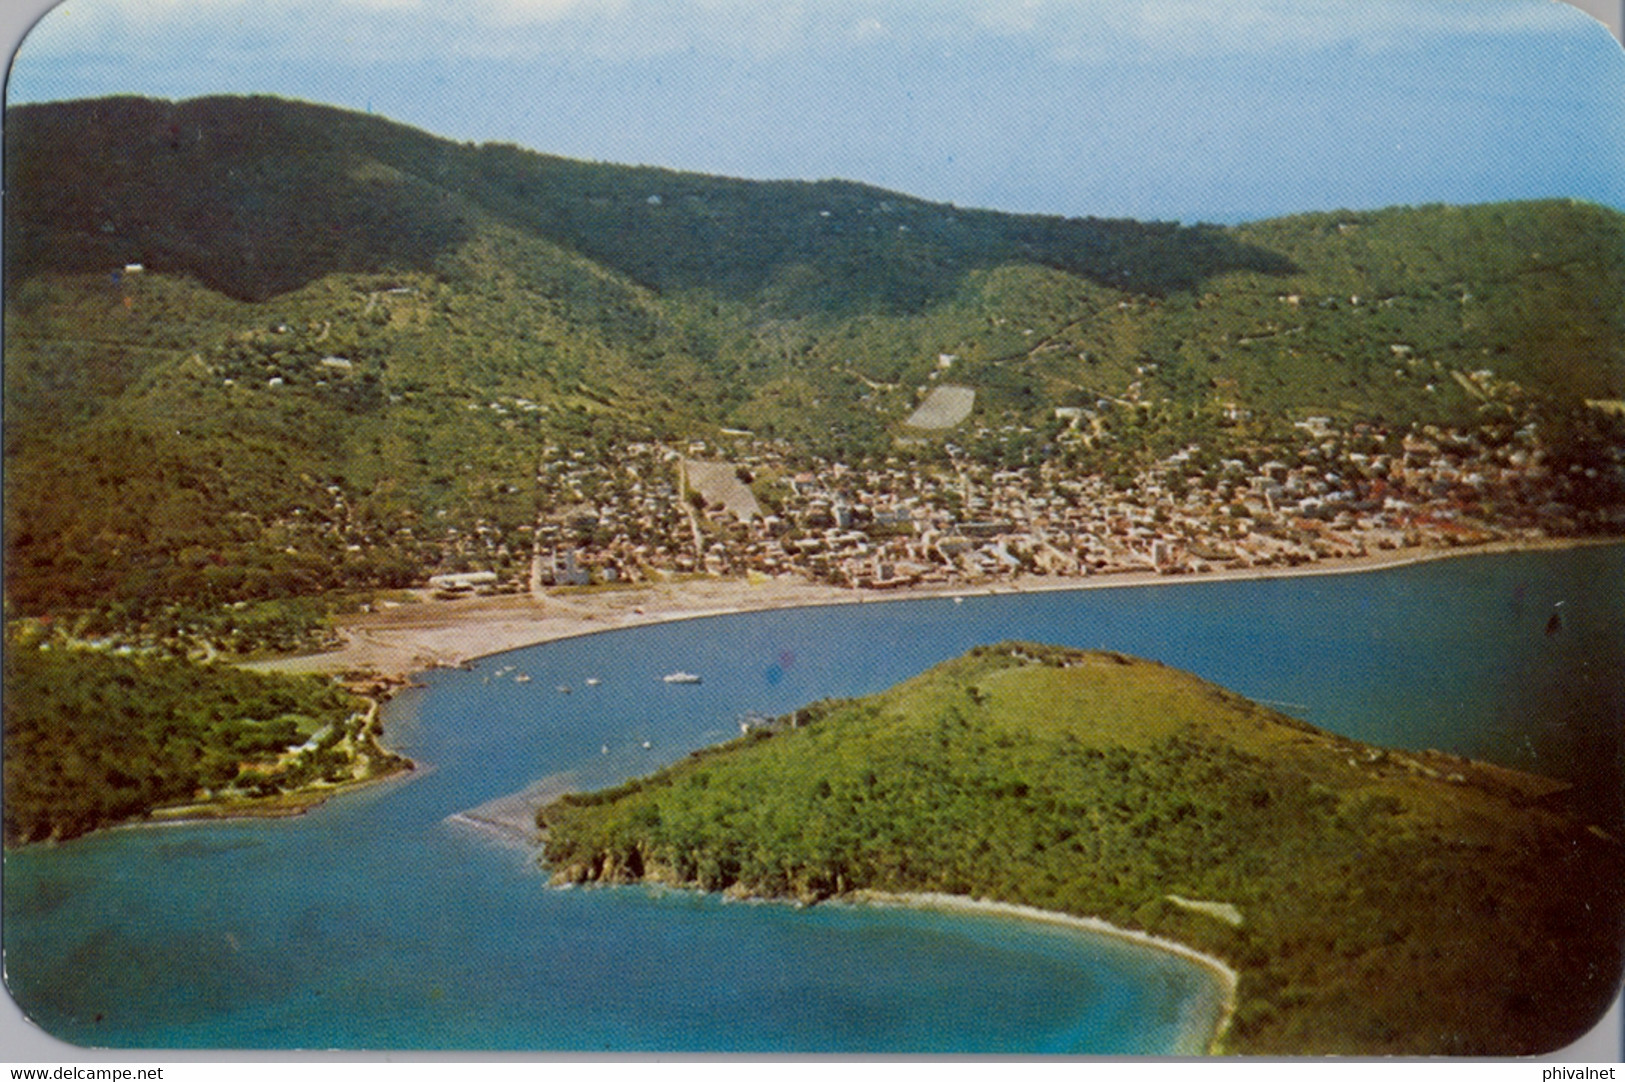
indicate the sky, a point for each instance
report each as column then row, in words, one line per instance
column 1189, row 110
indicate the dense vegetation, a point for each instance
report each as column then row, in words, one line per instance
column 349, row 342
column 257, row 197
column 93, row 739
column 1389, row 902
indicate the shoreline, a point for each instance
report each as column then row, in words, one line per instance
column 1226, row 977
column 283, row 805
column 413, row 638
column 288, row 805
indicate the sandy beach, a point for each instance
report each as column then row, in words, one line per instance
column 512, row 818
column 428, row 633
column 955, row 903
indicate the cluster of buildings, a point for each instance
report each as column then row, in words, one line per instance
column 749, row 509
column 1336, row 494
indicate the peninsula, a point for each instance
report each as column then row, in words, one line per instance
column 96, row 739
column 1369, row 900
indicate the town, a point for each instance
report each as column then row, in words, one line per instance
column 742, row 506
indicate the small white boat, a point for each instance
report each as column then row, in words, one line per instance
column 593, row 681
column 563, row 689
column 680, row 678
column 647, row 745
column 522, row 678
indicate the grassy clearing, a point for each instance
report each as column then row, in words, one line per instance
column 944, row 407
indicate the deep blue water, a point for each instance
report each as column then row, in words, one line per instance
column 379, row 922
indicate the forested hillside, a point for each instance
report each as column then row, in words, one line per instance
column 257, row 348
column 257, row 197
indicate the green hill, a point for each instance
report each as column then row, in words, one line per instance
column 1384, row 901
column 258, row 196
column 350, row 345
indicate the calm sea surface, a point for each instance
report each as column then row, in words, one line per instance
column 379, row 921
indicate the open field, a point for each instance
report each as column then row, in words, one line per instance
column 718, row 483
column 944, row 407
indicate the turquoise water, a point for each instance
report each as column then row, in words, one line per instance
column 378, row 921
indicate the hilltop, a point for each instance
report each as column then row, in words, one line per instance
column 256, row 197
column 1373, row 901
column 259, row 349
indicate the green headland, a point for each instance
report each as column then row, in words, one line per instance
column 1370, row 900
column 95, row 739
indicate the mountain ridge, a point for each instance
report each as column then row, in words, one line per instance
column 735, row 232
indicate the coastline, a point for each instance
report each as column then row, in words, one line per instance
column 511, row 818
column 453, row 634
column 1200, row 1035
column 429, row 634
column 393, row 645
column 281, row 806
column 1221, row 971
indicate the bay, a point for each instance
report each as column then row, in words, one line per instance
column 384, row 920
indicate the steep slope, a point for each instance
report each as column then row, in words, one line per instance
column 1373, row 901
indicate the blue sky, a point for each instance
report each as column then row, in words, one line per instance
column 1210, row 110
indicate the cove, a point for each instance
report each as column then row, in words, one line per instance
column 382, row 921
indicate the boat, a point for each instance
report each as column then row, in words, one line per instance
column 680, row 677
column 522, row 678
column 593, row 681
column 563, row 689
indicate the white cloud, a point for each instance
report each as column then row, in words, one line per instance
column 1089, row 28
column 359, row 31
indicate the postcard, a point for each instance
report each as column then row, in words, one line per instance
column 740, row 528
